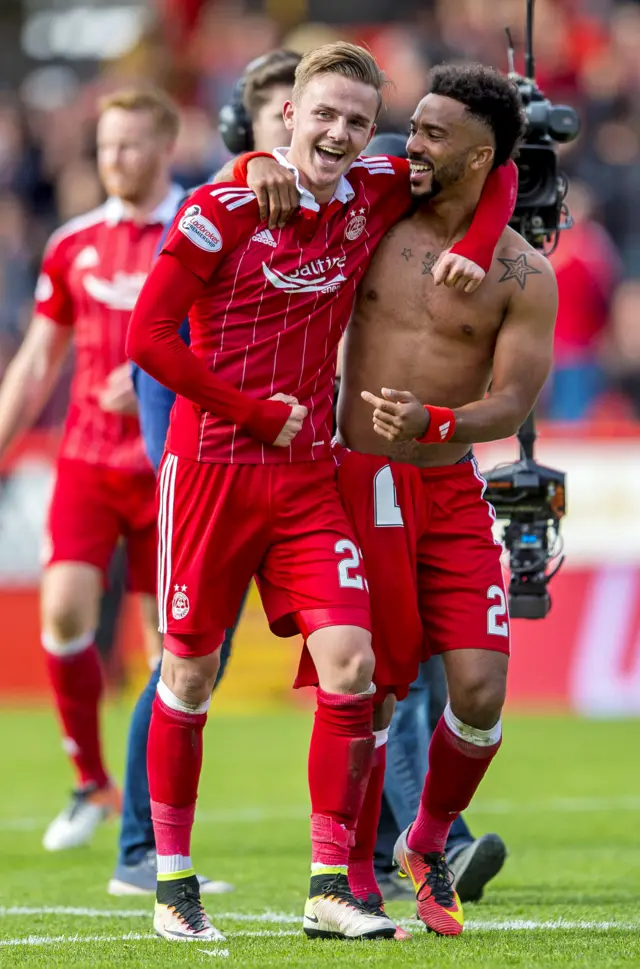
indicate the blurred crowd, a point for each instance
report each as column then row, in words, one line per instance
column 587, row 53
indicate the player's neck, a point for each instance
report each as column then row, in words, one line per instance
column 451, row 211
column 321, row 195
column 140, row 210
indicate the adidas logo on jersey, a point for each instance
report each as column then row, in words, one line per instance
column 444, row 430
column 265, row 238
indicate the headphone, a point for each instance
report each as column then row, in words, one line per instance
column 387, row 143
column 234, row 122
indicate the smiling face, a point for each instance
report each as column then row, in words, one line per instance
column 332, row 121
column 446, row 144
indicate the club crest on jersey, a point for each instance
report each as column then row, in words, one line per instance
column 180, row 604
column 356, row 224
column 200, row 230
column 313, row 277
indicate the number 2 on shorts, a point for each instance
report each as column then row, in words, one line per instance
column 495, row 628
column 350, row 562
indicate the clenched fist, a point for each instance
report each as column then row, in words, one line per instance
column 457, row 272
column 118, row 396
column 294, row 422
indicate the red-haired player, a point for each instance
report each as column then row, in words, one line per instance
column 104, row 491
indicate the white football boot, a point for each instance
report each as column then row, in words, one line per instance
column 179, row 915
column 333, row 912
column 76, row 824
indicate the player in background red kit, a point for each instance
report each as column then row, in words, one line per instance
column 247, row 485
column 92, row 272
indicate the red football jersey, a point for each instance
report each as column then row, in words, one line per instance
column 92, row 272
column 277, row 301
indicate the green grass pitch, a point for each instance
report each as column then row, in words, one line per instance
column 564, row 793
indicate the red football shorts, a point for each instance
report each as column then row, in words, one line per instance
column 221, row 524
column 432, row 563
column 92, row 508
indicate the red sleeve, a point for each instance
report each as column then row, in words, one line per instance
column 153, row 342
column 202, row 233
column 52, row 296
column 494, row 211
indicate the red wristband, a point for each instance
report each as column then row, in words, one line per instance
column 241, row 162
column 442, row 425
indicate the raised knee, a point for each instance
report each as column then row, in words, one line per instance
column 479, row 701
column 191, row 680
column 64, row 623
column 352, row 669
column 356, row 668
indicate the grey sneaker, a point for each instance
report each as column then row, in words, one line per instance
column 475, row 864
column 140, row 879
column 396, row 887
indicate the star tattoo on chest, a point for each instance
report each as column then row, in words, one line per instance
column 407, row 254
column 429, row 261
column 517, row 269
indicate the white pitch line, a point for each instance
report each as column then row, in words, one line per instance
column 65, row 939
column 256, row 815
column 91, row 913
column 516, row 925
column 285, row 918
column 271, row 918
column 530, row 925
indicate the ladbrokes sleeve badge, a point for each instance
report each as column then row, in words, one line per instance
column 200, row 230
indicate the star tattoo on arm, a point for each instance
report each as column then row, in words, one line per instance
column 517, row 269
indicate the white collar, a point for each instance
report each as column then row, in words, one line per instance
column 163, row 213
column 343, row 193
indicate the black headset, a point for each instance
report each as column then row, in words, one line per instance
column 387, row 143
column 234, row 122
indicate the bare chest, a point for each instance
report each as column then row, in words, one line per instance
column 399, row 288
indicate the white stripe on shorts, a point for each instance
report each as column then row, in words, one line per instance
column 490, row 508
column 165, row 536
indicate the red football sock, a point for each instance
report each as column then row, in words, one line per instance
column 76, row 679
column 362, row 879
column 174, row 761
column 340, row 758
column 456, row 768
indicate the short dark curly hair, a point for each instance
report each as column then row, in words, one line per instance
column 489, row 96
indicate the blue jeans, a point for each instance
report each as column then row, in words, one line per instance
column 573, row 389
column 136, row 831
column 408, row 759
